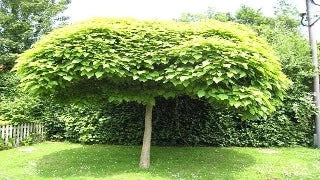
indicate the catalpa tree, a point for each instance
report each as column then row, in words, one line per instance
column 118, row 60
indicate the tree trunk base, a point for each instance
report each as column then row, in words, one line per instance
column 145, row 151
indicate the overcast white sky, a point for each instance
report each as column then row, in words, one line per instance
column 162, row 9
column 165, row 9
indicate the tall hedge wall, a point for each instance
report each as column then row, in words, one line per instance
column 181, row 121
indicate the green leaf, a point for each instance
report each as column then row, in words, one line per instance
column 105, row 65
column 201, row 93
column 170, row 76
column 183, row 78
column 245, row 65
column 209, row 82
column 68, row 78
column 75, row 61
column 217, row 79
column 222, row 96
column 242, row 96
column 205, row 63
column 237, row 104
column 89, row 74
column 242, row 74
column 182, row 53
column 197, row 56
column 186, row 83
column 159, row 78
column 135, row 77
column 86, row 54
column 252, row 111
column 229, row 74
column 99, row 74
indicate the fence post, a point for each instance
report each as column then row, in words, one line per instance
column 10, row 131
column 2, row 132
column 17, row 136
column 7, row 134
column 14, row 135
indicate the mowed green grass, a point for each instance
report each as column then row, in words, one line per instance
column 61, row 160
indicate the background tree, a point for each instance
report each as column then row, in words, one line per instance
column 250, row 16
column 129, row 60
column 189, row 17
column 22, row 22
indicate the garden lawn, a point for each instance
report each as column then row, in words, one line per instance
column 61, row 160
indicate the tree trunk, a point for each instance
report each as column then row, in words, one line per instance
column 145, row 152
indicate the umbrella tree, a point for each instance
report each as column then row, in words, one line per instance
column 119, row 60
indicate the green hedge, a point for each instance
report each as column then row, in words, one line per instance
column 182, row 121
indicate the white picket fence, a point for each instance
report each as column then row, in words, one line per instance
column 17, row 133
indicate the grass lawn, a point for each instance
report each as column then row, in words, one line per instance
column 61, row 160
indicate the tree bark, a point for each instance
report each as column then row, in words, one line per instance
column 145, row 152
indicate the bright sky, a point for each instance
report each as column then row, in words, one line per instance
column 165, row 9
column 161, row 9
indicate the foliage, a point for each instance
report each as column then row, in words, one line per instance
column 22, row 22
column 287, row 15
column 3, row 122
column 247, row 15
column 283, row 33
column 222, row 62
column 210, row 13
column 17, row 107
column 2, row 144
column 8, row 85
column 33, row 138
column 9, row 145
column 294, row 52
column 182, row 122
column 109, row 123
column 189, row 17
column 21, row 109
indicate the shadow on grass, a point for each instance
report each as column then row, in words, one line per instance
column 121, row 162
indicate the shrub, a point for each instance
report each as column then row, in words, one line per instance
column 17, row 107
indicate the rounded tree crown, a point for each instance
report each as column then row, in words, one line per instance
column 133, row 60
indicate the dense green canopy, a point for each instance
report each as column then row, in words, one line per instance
column 132, row 60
